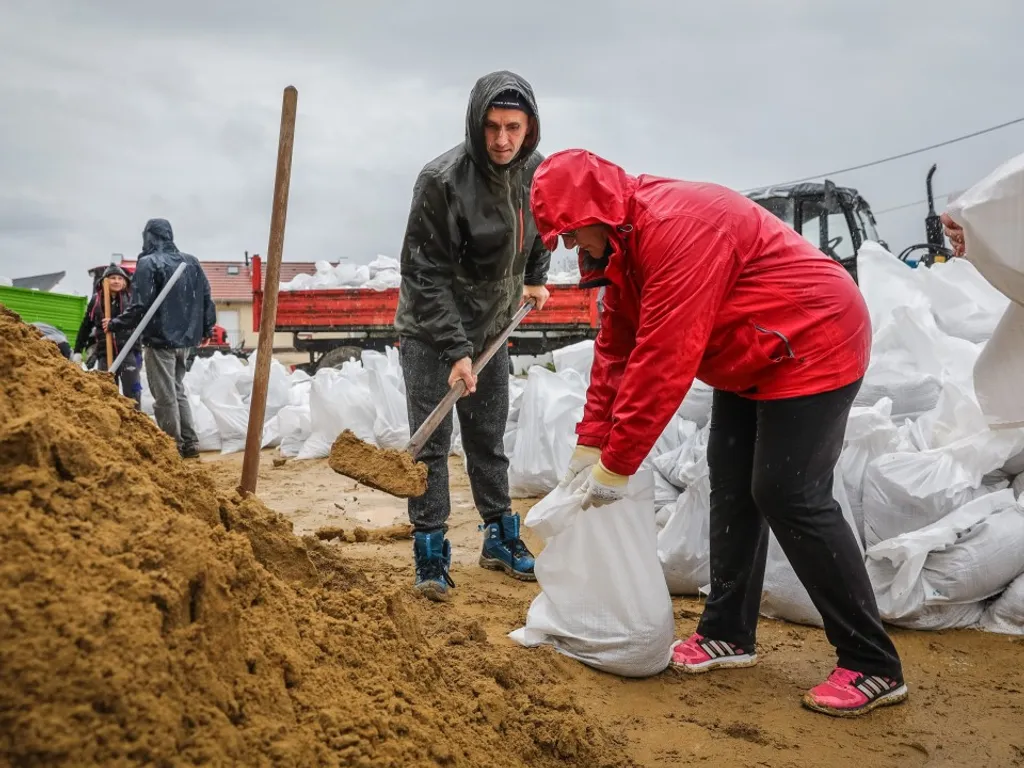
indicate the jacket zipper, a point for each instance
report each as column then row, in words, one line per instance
column 515, row 221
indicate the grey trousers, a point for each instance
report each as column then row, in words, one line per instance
column 165, row 371
column 482, row 418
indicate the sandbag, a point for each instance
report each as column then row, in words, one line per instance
column 295, row 426
column 229, row 411
column 205, row 424
column 339, row 400
column 684, row 548
column 909, row 490
column 603, row 598
column 783, row 596
column 1006, row 613
column 551, row 407
column 969, row 555
column 933, row 618
column 696, row 406
column 577, row 357
column 870, row 433
column 887, row 284
column 964, row 304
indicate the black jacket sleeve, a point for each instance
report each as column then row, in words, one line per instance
column 144, row 290
column 538, row 263
column 428, row 266
column 85, row 329
column 209, row 308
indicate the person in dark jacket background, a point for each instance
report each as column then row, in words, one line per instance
column 183, row 320
column 471, row 254
column 91, row 329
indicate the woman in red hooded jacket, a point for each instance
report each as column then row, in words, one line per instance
column 703, row 283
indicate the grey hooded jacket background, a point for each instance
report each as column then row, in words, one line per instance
column 471, row 242
column 188, row 314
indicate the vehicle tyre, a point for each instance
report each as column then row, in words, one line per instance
column 336, row 357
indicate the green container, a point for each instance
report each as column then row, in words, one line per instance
column 58, row 309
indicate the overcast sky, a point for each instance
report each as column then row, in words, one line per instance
column 115, row 111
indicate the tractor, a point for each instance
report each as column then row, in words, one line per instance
column 838, row 220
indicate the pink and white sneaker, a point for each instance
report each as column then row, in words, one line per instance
column 699, row 654
column 847, row 693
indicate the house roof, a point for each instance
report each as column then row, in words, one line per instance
column 232, row 280
column 45, row 282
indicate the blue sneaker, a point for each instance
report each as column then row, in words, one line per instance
column 433, row 553
column 504, row 551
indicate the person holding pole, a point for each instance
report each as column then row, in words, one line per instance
column 110, row 299
column 181, row 322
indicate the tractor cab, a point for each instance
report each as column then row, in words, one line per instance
column 836, row 219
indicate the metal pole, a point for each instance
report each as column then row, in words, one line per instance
column 265, row 348
column 147, row 317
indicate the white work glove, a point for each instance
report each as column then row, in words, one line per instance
column 603, row 487
column 76, row 357
column 584, row 456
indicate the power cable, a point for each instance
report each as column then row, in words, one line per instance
column 890, row 158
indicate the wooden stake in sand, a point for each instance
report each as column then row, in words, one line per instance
column 279, row 213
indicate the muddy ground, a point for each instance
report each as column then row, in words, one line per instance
column 967, row 687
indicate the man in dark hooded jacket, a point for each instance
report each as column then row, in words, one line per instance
column 183, row 320
column 471, row 255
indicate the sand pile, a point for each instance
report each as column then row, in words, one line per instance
column 145, row 620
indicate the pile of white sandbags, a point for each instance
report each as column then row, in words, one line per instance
column 379, row 275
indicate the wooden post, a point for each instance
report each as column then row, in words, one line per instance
column 265, row 349
column 106, row 314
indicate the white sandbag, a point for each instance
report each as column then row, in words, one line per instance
column 1006, row 613
column 339, row 400
column 783, row 596
column 933, row 618
column 684, row 544
column 887, row 284
column 391, row 423
column 229, row 411
column 696, row 406
column 577, row 357
column 603, row 598
column 992, row 215
column 907, row 490
column 272, row 431
column 965, row 305
column 205, row 424
column 552, row 405
column 676, row 465
column 294, row 426
column 970, row 555
column 1018, row 485
column 278, row 386
column 665, row 493
column 870, row 433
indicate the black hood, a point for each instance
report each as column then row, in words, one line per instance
column 158, row 236
column 483, row 93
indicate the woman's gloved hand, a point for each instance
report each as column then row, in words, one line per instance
column 603, row 487
column 584, row 456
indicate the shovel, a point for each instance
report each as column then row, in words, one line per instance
column 396, row 471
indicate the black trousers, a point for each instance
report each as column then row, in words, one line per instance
column 482, row 418
column 771, row 463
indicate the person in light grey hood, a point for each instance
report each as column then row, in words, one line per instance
column 471, row 255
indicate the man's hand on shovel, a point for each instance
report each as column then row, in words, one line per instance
column 463, row 369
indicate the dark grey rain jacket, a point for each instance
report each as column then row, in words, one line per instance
column 188, row 314
column 471, row 242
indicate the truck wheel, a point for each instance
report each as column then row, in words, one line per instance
column 338, row 356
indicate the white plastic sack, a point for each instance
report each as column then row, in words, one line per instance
column 696, row 406
column 1006, row 613
column 294, row 426
column 783, row 596
column 967, row 556
column 992, row 215
column 391, row 423
column 870, row 433
column 339, row 400
column 205, row 424
column 229, row 411
column 552, row 405
column 965, row 305
column 906, row 491
column 603, row 598
column 684, row 548
column 676, row 465
column 577, row 357
column 887, row 284
column 932, row 618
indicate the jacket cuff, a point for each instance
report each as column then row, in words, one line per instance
column 536, row 280
column 613, row 464
column 454, row 354
column 593, row 433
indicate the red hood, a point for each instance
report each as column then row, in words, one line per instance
column 575, row 188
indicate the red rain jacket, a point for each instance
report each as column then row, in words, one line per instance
column 703, row 283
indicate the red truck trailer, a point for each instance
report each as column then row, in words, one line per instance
column 334, row 325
